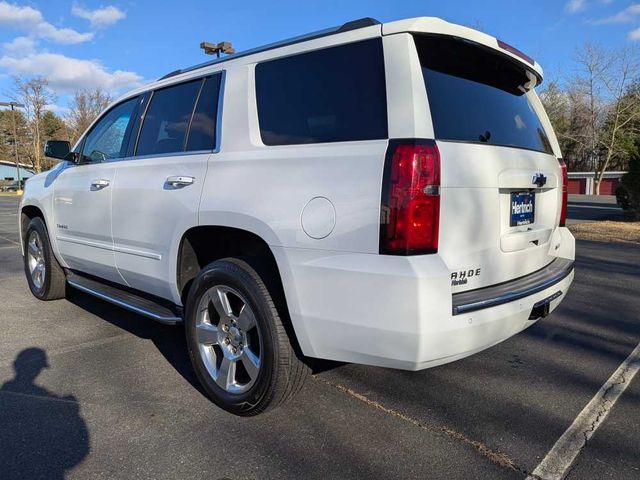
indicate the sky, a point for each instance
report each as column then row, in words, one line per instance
column 122, row 44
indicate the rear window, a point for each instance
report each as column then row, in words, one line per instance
column 332, row 95
column 202, row 132
column 477, row 95
column 167, row 119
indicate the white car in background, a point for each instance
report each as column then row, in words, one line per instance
column 387, row 194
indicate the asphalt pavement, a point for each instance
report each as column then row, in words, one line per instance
column 89, row 390
column 591, row 208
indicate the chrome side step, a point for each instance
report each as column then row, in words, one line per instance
column 124, row 299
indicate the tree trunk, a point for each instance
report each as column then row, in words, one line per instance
column 36, row 143
column 605, row 165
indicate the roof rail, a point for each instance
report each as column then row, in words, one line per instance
column 346, row 27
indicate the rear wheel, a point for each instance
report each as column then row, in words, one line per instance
column 237, row 342
column 45, row 276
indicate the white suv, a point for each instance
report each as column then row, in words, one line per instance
column 387, row 194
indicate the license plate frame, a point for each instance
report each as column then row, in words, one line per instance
column 520, row 214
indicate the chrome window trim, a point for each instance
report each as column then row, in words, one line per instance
column 218, row 139
column 218, row 143
column 163, row 155
column 218, row 133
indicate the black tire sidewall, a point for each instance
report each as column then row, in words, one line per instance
column 234, row 274
column 38, row 225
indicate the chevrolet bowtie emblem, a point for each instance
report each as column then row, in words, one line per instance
column 539, row 179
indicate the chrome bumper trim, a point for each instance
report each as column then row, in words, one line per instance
column 465, row 302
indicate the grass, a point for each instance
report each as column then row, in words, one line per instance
column 607, row 231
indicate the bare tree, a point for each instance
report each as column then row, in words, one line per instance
column 623, row 111
column 84, row 109
column 557, row 104
column 35, row 95
column 10, row 142
column 604, row 108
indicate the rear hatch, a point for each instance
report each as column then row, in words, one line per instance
column 500, row 180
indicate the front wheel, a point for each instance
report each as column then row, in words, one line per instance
column 44, row 274
column 238, row 345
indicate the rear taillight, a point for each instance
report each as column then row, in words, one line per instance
column 565, row 192
column 410, row 211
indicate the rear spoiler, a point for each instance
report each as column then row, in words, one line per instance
column 437, row 26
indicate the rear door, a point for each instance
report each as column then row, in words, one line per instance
column 157, row 190
column 500, row 178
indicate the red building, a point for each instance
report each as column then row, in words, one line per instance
column 584, row 183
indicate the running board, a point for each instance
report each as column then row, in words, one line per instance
column 124, row 299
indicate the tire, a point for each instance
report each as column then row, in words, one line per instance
column 221, row 331
column 50, row 283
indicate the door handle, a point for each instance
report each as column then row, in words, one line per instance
column 180, row 181
column 99, row 184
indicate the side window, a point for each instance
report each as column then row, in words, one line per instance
column 202, row 133
column 106, row 140
column 135, row 123
column 167, row 119
column 332, row 95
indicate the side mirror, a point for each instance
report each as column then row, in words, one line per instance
column 57, row 149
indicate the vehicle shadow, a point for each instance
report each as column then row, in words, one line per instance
column 42, row 435
column 169, row 340
column 583, row 212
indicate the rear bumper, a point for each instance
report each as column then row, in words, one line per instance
column 398, row 312
column 511, row 291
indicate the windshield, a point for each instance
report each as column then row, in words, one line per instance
column 478, row 95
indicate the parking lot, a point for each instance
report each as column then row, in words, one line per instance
column 110, row 394
column 589, row 208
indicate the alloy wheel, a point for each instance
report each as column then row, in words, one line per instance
column 229, row 340
column 35, row 260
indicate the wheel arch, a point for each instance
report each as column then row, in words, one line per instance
column 28, row 213
column 201, row 245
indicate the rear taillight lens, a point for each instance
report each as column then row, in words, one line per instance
column 565, row 192
column 410, row 213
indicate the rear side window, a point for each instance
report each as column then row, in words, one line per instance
column 332, row 95
column 202, row 133
column 167, row 118
column 477, row 95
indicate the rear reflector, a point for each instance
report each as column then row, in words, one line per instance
column 410, row 212
column 565, row 192
column 516, row 52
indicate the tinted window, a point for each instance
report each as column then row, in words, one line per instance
column 477, row 95
column 202, row 133
column 167, row 119
column 331, row 95
column 106, row 140
column 135, row 123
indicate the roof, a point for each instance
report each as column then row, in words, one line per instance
column 431, row 25
column 12, row 163
column 346, row 27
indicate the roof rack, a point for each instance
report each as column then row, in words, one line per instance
column 352, row 25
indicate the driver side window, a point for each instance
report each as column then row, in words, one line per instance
column 106, row 140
